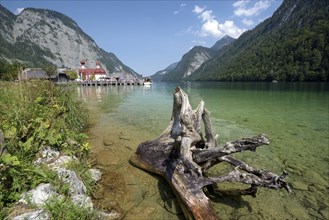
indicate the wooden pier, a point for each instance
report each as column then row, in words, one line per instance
column 109, row 83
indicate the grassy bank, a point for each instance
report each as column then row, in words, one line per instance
column 34, row 115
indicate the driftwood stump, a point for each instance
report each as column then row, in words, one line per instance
column 181, row 155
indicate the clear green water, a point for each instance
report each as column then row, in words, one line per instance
column 294, row 115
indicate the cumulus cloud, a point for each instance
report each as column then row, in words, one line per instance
column 241, row 8
column 211, row 27
column 247, row 22
column 18, row 11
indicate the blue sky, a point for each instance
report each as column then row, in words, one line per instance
column 150, row 35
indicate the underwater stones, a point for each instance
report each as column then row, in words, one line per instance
column 172, row 206
column 299, row 186
column 311, row 188
column 325, row 212
column 315, row 178
column 141, row 212
column 319, row 187
column 297, row 211
column 39, row 195
column 296, row 167
column 108, row 141
column 95, row 174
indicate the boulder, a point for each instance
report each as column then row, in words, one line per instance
column 40, row 195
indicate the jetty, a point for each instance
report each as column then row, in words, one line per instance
column 110, row 82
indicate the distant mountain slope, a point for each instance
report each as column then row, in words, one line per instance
column 190, row 61
column 38, row 36
column 226, row 40
column 292, row 45
column 160, row 75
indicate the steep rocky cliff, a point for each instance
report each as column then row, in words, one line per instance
column 38, row 36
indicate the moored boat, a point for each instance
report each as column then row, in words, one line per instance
column 147, row 81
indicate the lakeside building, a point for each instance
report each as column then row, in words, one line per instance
column 86, row 73
column 40, row 74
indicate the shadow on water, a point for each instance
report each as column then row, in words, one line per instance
column 171, row 203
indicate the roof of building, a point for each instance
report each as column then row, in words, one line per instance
column 92, row 71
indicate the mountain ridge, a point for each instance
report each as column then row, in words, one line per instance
column 279, row 48
column 51, row 37
column 191, row 61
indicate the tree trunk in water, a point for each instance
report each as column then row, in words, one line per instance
column 181, row 155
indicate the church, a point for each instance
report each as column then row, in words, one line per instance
column 86, row 73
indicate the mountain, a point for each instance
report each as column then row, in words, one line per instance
column 38, row 37
column 190, row 62
column 160, row 75
column 226, row 40
column 292, row 45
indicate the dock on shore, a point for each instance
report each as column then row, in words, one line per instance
column 110, row 83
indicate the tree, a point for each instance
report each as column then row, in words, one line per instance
column 10, row 71
column 50, row 70
column 71, row 74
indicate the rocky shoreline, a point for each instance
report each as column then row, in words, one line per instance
column 32, row 203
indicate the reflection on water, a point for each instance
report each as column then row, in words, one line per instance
column 294, row 115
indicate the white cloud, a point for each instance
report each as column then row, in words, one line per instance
column 230, row 29
column 243, row 10
column 183, row 5
column 198, row 9
column 18, row 11
column 241, row 3
column 248, row 22
column 211, row 27
column 198, row 42
column 176, row 12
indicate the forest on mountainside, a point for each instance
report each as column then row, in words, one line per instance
column 295, row 48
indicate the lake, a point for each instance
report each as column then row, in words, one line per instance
column 294, row 115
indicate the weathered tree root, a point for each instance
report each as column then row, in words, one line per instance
column 181, row 155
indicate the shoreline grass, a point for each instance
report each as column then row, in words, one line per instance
column 33, row 116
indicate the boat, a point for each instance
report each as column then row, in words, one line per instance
column 147, row 81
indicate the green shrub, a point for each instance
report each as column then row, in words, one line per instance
column 34, row 115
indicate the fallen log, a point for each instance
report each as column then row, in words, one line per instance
column 181, row 155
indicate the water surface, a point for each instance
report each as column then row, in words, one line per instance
column 294, row 115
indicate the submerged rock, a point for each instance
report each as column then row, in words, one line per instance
column 299, row 186
column 315, row 178
column 95, row 174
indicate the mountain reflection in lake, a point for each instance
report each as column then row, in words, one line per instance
column 294, row 115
